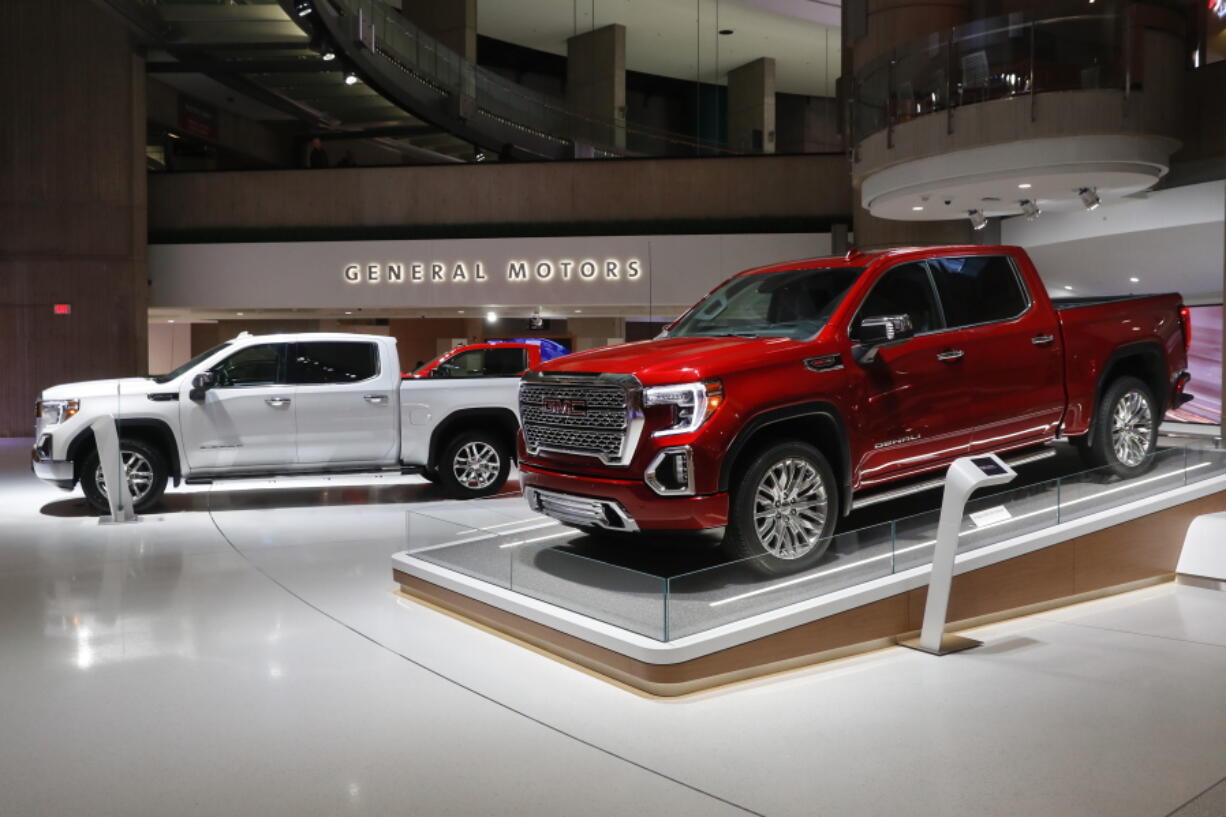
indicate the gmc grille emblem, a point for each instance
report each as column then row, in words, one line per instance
column 556, row 405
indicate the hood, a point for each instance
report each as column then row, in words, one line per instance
column 677, row 360
column 104, row 388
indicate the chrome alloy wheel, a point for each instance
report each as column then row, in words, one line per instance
column 139, row 474
column 476, row 465
column 1132, row 427
column 790, row 508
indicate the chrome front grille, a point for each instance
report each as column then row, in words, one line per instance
column 586, row 419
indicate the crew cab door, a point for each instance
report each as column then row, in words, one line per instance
column 915, row 408
column 246, row 420
column 1010, row 349
column 347, row 409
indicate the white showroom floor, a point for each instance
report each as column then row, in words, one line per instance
column 255, row 660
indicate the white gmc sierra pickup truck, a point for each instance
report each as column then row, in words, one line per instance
column 283, row 404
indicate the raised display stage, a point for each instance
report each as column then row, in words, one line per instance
column 676, row 631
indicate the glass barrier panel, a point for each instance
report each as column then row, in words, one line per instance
column 703, row 599
column 1078, row 53
column 915, row 538
column 1009, row 513
column 1100, row 489
column 553, row 573
column 1203, row 463
column 921, row 79
column 991, row 61
column 872, row 100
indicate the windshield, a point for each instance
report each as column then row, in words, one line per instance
column 200, row 358
column 789, row 304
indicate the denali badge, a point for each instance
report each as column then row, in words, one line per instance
column 900, row 440
column 557, row 405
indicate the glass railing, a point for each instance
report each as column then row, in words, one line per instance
column 648, row 586
column 426, row 60
column 998, row 58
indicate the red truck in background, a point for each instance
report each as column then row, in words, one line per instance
column 491, row 358
column 793, row 392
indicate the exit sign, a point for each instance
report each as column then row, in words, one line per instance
column 62, row 309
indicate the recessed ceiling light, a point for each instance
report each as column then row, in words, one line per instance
column 577, row 311
column 1135, row 279
column 170, row 321
column 1069, row 288
column 347, row 312
column 240, row 314
column 1024, row 186
column 491, row 316
column 916, row 208
column 460, row 311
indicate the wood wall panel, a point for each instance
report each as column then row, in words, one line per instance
column 72, row 202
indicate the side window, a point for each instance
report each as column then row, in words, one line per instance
column 904, row 290
column 333, row 362
column 252, row 366
column 505, row 362
column 978, row 289
column 465, row 364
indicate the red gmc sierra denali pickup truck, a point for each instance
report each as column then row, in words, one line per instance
column 793, row 392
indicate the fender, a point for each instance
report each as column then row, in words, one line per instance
column 822, row 411
column 157, row 429
column 502, row 418
column 1152, row 353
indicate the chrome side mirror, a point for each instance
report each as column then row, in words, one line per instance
column 879, row 331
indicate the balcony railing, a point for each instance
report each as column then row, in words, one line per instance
column 997, row 58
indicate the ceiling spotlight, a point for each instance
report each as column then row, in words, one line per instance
column 351, row 78
column 1089, row 197
column 978, row 219
column 1024, row 186
column 329, row 55
column 1135, row 279
column 1030, row 209
column 1069, row 288
column 480, row 157
column 491, row 317
column 303, row 7
column 917, row 208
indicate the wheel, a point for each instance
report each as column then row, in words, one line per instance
column 145, row 467
column 475, row 463
column 784, row 509
column 1125, row 431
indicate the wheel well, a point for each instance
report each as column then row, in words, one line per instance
column 502, row 421
column 821, row 428
column 1144, row 362
column 152, row 432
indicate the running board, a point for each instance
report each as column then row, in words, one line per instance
column 928, row 485
column 331, row 472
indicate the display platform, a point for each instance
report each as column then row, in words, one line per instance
column 633, row 610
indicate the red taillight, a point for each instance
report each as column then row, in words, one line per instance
column 1185, row 318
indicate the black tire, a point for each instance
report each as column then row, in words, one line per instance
column 145, row 491
column 1124, row 437
column 463, row 477
column 797, row 536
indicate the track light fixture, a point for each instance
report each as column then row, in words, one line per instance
column 351, row 78
column 1030, row 209
column 978, row 219
column 1089, row 197
column 303, row 8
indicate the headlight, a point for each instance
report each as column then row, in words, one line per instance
column 692, row 404
column 54, row 412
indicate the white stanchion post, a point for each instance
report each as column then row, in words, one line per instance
column 118, row 494
column 964, row 477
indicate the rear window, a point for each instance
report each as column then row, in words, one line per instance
column 978, row 289
column 333, row 362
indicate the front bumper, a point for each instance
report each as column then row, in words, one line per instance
column 642, row 507
column 56, row 472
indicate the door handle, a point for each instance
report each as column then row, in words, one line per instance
column 277, row 402
column 375, row 398
column 950, row 355
column 1043, row 340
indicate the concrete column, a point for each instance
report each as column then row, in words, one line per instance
column 596, row 84
column 751, row 106
column 451, row 22
column 72, row 201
